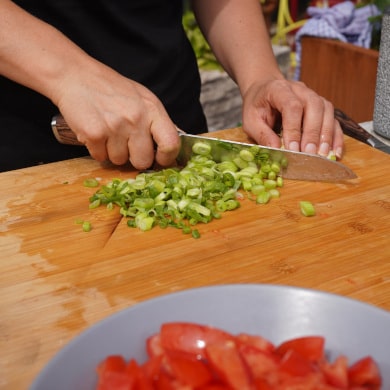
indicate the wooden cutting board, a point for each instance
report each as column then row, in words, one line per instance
column 56, row 280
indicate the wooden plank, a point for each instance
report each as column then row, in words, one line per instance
column 56, row 280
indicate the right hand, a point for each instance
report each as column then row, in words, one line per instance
column 117, row 119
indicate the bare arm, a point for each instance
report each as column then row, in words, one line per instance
column 115, row 117
column 236, row 32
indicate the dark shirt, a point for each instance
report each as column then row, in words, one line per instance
column 142, row 39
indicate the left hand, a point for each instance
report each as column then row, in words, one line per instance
column 307, row 119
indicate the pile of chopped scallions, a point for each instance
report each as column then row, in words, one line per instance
column 199, row 192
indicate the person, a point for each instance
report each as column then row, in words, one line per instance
column 124, row 76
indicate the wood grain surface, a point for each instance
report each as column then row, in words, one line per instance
column 56, row 280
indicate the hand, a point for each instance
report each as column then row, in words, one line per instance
column 307, row 120
column 118, row 119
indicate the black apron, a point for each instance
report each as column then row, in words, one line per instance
column 141, row 39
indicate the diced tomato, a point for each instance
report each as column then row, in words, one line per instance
column 260, row 363
column 310, row 347
column 263, row 384
column 112, row 363
column 113, row 376
column 226, row 360
column 165, row 382
column 336, row 373
column 188, row 369
column 258, row 342
column 295, row 364
column 116, row 382
column 365, row 372
column 190, row 338
column 152, row 367
column 153, row 345
column 141, row 377
column 312, row 381
column 186, row 356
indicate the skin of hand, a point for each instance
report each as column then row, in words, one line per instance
column 244, row 49
column 116, row 118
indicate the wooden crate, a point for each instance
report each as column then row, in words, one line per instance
column 343, row 73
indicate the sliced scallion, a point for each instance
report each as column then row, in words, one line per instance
column 198, row 193
column 307, row 208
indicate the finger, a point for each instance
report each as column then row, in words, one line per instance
column 291, row 109
column 95, row 143
column 338, row 140
column 292, row 115
column 255, row 124
column 141, row 150
column 165, row 134
column 118, row 149
column 316, row 123
column 258, row 119
column 328, row 130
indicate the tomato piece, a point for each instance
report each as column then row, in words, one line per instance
column 262, row 384
column 115, row 381
column 312, row 381
column 336, row 373
column 113, row 376
column 152, row 367
column 260, row 363
column 153, row 345
column 142, row 381
column 258, row 342
column 365, row 373
column 226, row 360
column 190, row 338
column 112, row 363
column 310, row 347
column 295, row 364
column 164, row 382
column 188, row 369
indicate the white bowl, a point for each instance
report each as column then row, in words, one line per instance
column 278, row 313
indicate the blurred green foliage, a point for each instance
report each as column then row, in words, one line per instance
column 376, row 21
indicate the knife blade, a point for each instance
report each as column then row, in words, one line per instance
column 354, row 130
column 296, row 165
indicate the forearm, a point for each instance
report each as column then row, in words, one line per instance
column 35, row 54
column 237, row 34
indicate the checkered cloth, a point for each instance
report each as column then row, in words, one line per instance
column 344, row 21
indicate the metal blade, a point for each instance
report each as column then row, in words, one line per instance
column 299, row 166
column 378, row 144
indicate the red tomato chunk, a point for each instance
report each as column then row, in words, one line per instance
column 187, row 356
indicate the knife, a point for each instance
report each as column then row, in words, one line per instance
column 297, row 165
column 354, row 130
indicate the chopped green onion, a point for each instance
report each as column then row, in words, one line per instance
column 246, row 155
column 201, row 148
column 263, row 198
column 307, row 208
column 195, row 233
column 91, row 182
column 86, row 226
column 197, row 193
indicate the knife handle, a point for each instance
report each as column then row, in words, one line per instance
column 63, row 132
column 350, row 127
column 65, row 135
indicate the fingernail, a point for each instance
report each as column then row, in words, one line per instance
column 324, row 149
column 311, row 148
column 294, row 146
column 339, row 152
